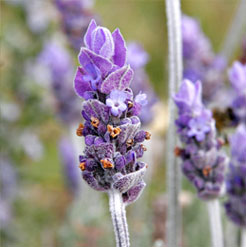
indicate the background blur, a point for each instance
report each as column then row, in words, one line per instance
column 42, row 203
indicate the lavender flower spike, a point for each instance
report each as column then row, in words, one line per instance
column 203, row 163
column 112, row 128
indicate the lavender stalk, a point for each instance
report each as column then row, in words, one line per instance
column 113, row 139
column 175, row 77
column 118, row 214
column 243, row 237
column 215, row 223
column 235, row 31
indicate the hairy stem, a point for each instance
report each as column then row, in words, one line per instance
column 118, row 214
column 235, row 31
column 243, row 237
column 175, row 77
column 215, row 223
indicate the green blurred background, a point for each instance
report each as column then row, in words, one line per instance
column 44, row 212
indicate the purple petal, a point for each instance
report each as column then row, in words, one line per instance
column 118, row 80
column 128, row 131
column 134, row 193
column 94, row 108
column 101, row 151
column 128, row 181
column 89, row 178
column 81, row 86
column 87, row 58
column 119, row 57
column 87, row 38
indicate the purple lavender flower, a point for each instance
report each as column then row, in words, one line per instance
column 235, row 206
column 198, row 128
column 138, row 58
column 75, row 17
column 111, row 127
column 203, row 163
column 237, row 77
column 188, row 98
column 200, row 62
column 102, row 42
column 116, row 102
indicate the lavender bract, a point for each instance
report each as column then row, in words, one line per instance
column 112, row 129
column 203, row 163
column 235, row 206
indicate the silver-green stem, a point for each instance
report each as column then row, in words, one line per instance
column 235, row 31
column 231, row 233
column 175, row 77
column 243, row 237
column 118, row 214
column 215, row 223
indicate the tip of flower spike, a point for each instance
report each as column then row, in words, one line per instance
column 113, row 131
column 94, row 122
column 106, row 164
column 147, row 135
column 79, row 130
column 82, row 166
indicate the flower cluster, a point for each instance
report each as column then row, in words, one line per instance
column 237, row 77
column 200, row 62
column 138, row 58
column 75, row 15
column 236, row 179
column 203, row 164
column 112, row 128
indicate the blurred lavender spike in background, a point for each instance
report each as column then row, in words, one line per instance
column 237, row 77
column 200, row 62
column 203, row 163
column 137, row 57
column 8, row 191
column 75, row 17
column 70, row 167
column 57, row 59
column 235, row 206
